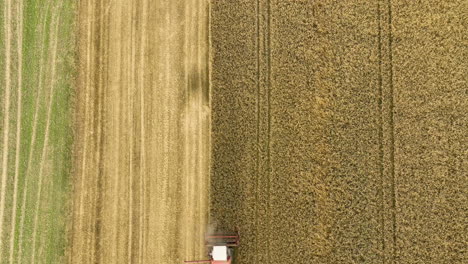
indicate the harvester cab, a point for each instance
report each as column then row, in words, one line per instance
column 220, row 248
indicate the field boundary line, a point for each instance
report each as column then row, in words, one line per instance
column 6, row 119
column 47, row 130
column 18, row 127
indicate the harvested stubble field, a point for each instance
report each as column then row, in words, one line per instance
column 142, row 139
column 339, row 130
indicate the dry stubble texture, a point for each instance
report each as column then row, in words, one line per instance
column 339, row 130
column 142, row 139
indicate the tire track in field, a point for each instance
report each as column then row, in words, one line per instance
column 392, row 130
column 42, row 162
column 142, row 133
column 106, row 133
column 260, row 244
column 381, row 128
column 131, row 74
column 18, row 127
column 6, row 121
column 92, row 134
column 34, row 129
column 100, row 77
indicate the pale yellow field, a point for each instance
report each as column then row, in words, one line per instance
column 142, row 145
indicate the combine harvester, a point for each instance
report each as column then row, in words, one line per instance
column 221, row 248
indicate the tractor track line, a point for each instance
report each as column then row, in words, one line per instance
column 381, row 128
column 134, row 255
column 106, row 24
column 392, row 131
column 18, row 127
column 34, row 131
column 47, row 130
column 142, row 133
column 166, row 138
column 99, row 106
column 257, row 177
column 93, row 137
column 132, row 123
column 6, row 123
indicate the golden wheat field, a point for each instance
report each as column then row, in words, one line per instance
column 339, row 130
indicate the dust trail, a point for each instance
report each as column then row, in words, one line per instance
column 34, row 131
column 18, row 127
column 46, row 137
column 211, row 227
column 7, row 23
